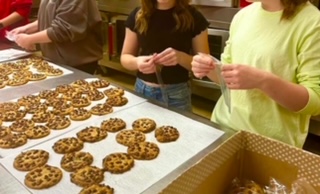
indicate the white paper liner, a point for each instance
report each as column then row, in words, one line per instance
column 11, row 54
column 194, row 137
column 132, row 100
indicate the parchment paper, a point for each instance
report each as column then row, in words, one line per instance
column 194, row 137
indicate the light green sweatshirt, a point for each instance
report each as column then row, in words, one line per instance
column 289, row 49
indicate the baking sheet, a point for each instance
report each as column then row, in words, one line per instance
column 34, row 70
column 132, row 100
column 11, row 54
column 194, row 137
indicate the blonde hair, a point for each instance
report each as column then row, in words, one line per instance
column 291, row 8
column 181, row 14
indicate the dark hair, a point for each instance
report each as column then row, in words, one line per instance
column 181, row 15
column 291, row 8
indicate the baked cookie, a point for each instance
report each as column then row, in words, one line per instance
column 80, row 83
column 17, row 81
column 58, row 122
column 101, row 109
column 101, row 83
column 128, row 137
column 97, row 189
column 144, row 125
column 143, row 150
column 41, row 116
column 13, row 140
column 114, row 92
column 31, row 159
column 95, row 95
column 79, row 114
column 75, row 160
column 92, row 134
column 62, row 109
column 64, row 88
column 21, row 125
column 4, row 131
column 32, row 108
column 67, row 145
column 83, row 101
column 37, row 76
column 12, row 115
column 166, row 134
column 87, row 176
column 29, row 99
column 53, row 72
column 7, row 106
column 117, row 100
column 37, row 132
column 113, row 124
column 46, row 94
column 117, row 163
column 43, row 177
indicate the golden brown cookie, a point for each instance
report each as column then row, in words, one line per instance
column 12, row 115
column 62, row 109
column 87, row 176
column 13, row 140
column 43, row 177
column 53, row 72
column 92, row 134
column 117, row 101
column 4, row 131
column 17, row 81
column 57, row 122
column 46, row 94
column 83, row 101
column 95, row 95
column 101, row 83
column 128, row 137
column 118, row 163
column 79, row 114
column 67, row 145
column 113, row 124
column 144, row 125
column 75, row 160
column 37, row 76
column 29, row 99
column 143, row 150
column 7, row 106
column 41, row 116
column 31, row 159
column 64, row 88
column 166, row 134
column 37, row 132
column 21, row 125
column 101, row 109
column 114, row 92
column 32, row 108
column 97, row 189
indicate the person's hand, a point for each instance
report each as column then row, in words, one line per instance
column 242, row 76
column 168, row 57
column 18, row 30
column 145, row 64
column 24, row 41
column 201, row 65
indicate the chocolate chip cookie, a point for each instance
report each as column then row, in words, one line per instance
column 118, row 163
column 30, row 159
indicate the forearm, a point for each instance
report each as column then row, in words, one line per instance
column 292, row 96
column 31, row 27
column 129, row 62
column 11, row 19
column 40, row 37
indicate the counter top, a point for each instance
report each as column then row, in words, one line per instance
column 10, row 184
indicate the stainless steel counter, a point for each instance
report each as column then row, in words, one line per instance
column 10, row 185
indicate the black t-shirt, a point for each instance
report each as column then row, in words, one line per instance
column 161, row 35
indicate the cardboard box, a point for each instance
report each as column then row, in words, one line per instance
column 248, row 156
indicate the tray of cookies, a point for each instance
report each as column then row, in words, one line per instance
column 28, row 70
column 126, row 152
column 35, row 118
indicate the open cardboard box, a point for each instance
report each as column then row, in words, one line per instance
column 248, row 156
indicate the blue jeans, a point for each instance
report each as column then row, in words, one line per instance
column 178, row 95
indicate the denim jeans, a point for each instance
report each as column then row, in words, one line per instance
column 178, row 95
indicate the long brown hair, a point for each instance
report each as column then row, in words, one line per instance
column 291, row 8
column 181, row 15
